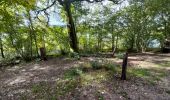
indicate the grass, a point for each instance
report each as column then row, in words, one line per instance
column 99, row 96
column 139, row 72
column 72, row 73
column 151, row 75
column 164, row 64
column 62, row 87
column 94, row 73
column 37, row 88
column 96, row 65
column 66, row 86
column 95, row 77
column 43, row 91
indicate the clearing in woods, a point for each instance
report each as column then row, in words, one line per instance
column 90, row 78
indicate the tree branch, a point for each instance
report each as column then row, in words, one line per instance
column 53, row 3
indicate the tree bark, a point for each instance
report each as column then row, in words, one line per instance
column 2, row 50
column 71, row 26
column 43, row 53
column 124, row 67
column 113, row 43
column 32, row 32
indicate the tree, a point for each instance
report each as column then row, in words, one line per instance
column 67, row 7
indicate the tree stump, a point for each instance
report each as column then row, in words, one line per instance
column 43, row 54
column 166, row 48
column 124, row 66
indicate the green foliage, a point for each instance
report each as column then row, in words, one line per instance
column 37, row 88
column 100, row 96
column 66, row 86
column 72, row 73
column 119, row 55
column 75, row 55
column 24, row 29
column 141, row 72
column 96, row 65
column 111, row 67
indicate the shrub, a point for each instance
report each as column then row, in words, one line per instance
column 110, row 66
column 75, row 55
column 119, row 55
column 73, row 73
column 96, row 65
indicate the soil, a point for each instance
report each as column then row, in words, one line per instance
column 16, row 82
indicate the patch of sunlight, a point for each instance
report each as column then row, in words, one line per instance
column 139, row 72
column 66, row 85
column 23, row 70
column 94, row 77
column 14, row 68
column 86, row 65
column 164, row 64
column 19, row 79
column 21, row 91
column 91, row 58
column 151, row 75
column 80, row 62
column 38, row 67
column 148, row 65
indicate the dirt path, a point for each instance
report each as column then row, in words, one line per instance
column 17, row 82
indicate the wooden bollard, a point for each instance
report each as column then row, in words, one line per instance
column 124, row 66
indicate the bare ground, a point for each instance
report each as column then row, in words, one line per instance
column 24, row 81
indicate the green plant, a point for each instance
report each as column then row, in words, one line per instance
column 74, row 55
column 100, row 96
column 119, row 55
column 96, row 65
column 73, row 73
column 65, row 86
column 37, row 88
column 110, row 66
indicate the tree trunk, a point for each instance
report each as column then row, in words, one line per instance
column 117, row 38
column 71, row 26
column 113, row 43
column 32, row 32
column 43, row 53
column 124, row 67
column 2, row 50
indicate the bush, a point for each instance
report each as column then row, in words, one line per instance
column 110, row 66
column 73, row 73
column 119, row 55
column 75, row 55
column 96, row 65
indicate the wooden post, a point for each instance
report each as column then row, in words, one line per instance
column 43, row 53
column 124, row 66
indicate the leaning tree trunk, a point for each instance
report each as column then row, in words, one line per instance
column 71, row 26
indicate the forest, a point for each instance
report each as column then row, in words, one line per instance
column 84, row 49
